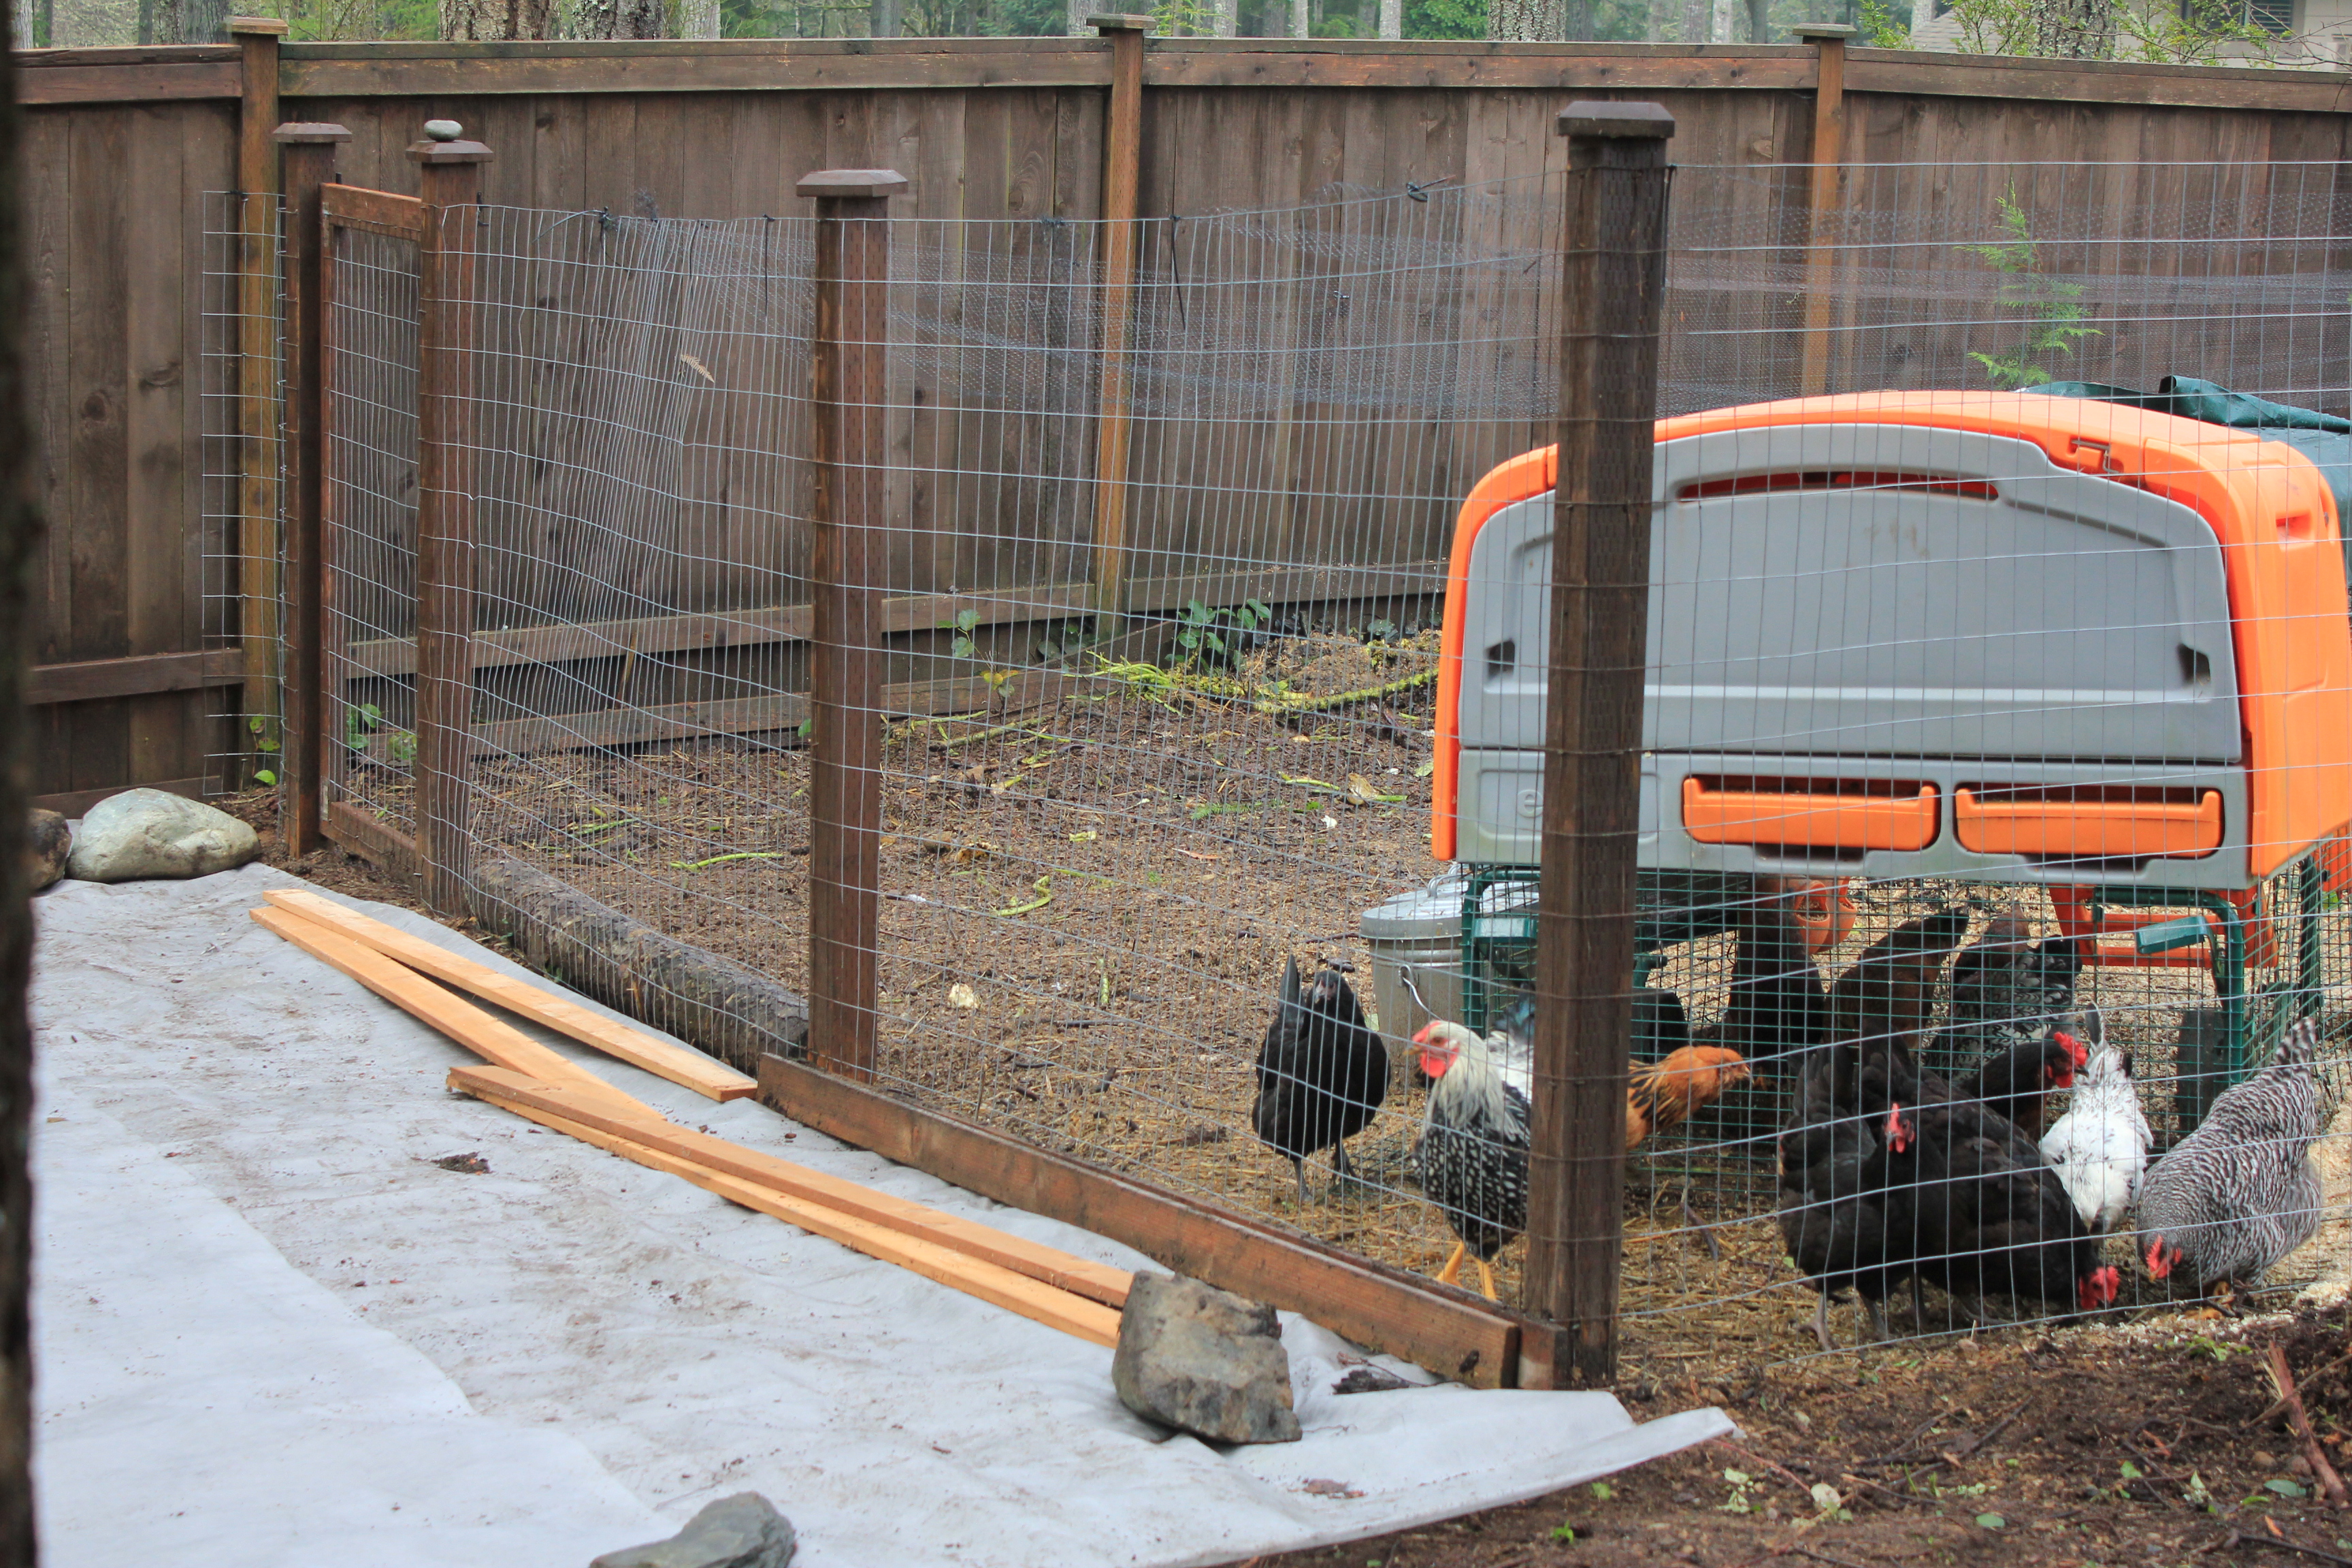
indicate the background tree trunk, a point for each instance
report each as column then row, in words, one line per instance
column 1532, row 21
column 497, row 21
column 620, row 19
column 20, row 530
column 2073, row 29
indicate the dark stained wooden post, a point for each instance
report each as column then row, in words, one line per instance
column 308, row 152
column 1829, row 150
column 1122, row 182
column 1614, row 279
column 259, row 589
column 451, row 174
column 850, row 416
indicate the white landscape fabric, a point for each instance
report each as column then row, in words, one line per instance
column 270, row 1330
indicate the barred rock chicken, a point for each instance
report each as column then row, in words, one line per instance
column 2008, row 992
column 1321, row 1073
column 2239, row 1194
column 2099, row 1148
column 1472, row 1158
column 2018, row 1081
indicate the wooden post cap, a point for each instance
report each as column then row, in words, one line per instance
column 1822, row 32
column 449, row 152
column 265, row 24
column 1117, row 22
column 298, row 134
column 852, row 183
column 1642, row 121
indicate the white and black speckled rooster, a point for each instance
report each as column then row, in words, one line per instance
column 2008, row 992
column 2239, row 1193
column 2099, row 1148
column 1472, row 1159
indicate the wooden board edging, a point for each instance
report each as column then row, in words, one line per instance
column 1451, row 1332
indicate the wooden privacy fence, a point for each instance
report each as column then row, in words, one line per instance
column 138, row 627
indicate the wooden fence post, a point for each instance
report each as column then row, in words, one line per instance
column 1122, row 181
column 849, row 394
column 310, row 163
column 1829, row 150
column 256, row 390
column 1614, row 280
column 451, row 177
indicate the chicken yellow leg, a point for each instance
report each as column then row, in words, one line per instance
column 1486, row 1280
column 1453, row 1269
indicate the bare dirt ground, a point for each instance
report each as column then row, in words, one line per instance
column 2122, row 1442
column 2086, row 1447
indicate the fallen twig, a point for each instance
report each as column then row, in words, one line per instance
column 2331, row 1485
column 1890, row 1492
column 2278, row 1406
column 2239, row 1538
column 1760, row 1462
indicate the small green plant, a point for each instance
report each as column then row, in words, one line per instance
column 264, row 776
column 1603, row 1491
column 2049, row 315
column 1738, row 1502
column 400, row 748
column 1214, row 636
column 360, row 721
column 1565, row 1533
column 964, row 626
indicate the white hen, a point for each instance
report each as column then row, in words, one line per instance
column 2100, row 1146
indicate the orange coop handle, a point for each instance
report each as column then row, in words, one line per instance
column 1714, row 812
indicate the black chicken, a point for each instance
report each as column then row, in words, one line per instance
column 1777, row 1008
column 1890, row 991
column 2018, row 1083
column 1848, row 1170
column 1321, row 1074
column 1995, row 1219
column 1472, row 1159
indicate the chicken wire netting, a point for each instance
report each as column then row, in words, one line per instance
column 1146, row 743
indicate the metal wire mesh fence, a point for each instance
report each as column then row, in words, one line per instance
column 1187, row 639
column 240, row 381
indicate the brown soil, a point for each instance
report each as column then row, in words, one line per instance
column 2072, row 1448
column 1086, row 911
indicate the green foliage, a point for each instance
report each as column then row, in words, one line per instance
column 333, row 21
column 264, row 777
column 359, row 722
column 1882, row 28
column 1183, row 19
column 2150, row 32
column 2049, row 318
column 964, row 626
column 1445, row 18
column 1206, row 635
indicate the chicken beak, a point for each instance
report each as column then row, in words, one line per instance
column 1898, row 1133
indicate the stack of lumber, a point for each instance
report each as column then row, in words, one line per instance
column 1040, row 1283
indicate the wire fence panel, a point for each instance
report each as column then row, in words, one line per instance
column 1972, row 718
column 370, row 612
column 240, row 382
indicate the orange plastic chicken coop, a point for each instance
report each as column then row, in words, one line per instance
column 1993, row 636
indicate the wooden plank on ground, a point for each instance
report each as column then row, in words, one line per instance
column 1095, row 1281
column 690, row 1069
column 1450, row 1331
column 1039, row 1303
column 373, row 839
column 467, row 1025
column 74, row 803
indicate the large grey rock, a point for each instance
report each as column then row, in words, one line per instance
column 1204, row 1361
column 48, row 842
column 150, row 833
column 740, row 1531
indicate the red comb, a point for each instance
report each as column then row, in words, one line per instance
column 2073, row 1047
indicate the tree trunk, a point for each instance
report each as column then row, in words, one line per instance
column 2073, row 29
column 20, row 532
column 497, row 21
column 620, row 19
column 1530, row 21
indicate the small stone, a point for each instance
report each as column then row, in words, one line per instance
column 740, row 1531
column 47, row 843
column 1205, row 1361
column 2265, row 1459
column 151, row 832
